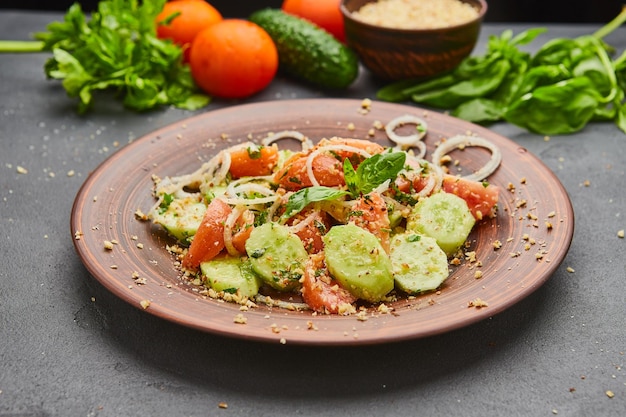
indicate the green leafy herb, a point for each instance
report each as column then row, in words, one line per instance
column 372, row 172
column 300, row 199
column 413, row 238
column 118, row 50
column 167, row 200
column 565, row 85
column 254, row 152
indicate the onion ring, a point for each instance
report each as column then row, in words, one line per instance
column 410, row 140
column 458, row 141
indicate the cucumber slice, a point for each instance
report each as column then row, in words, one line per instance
column 356, row 259
column 277, row 256
column 419, row 264
column 181, row 218
column 444, row 217
column 230, row 274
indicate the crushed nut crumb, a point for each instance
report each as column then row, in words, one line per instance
column 240, row 319
column 478, row 303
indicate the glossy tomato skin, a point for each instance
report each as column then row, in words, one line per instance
column 293, row 176
column 234, row 58
column 324, row 13
column 481, row 197
column 194, row 16
column 208, row 241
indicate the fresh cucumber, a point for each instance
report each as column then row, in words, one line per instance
column 230, row 274
column 181, row 218
column 418, row 263
column 356, row 259
column 277, row 255
column 444, row 217
column 308, row 52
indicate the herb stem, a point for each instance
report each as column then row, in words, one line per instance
column 612, row 25
column 21, row 46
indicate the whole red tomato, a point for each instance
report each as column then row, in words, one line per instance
column 324, row 13
column 180, row 21
column 233, row 58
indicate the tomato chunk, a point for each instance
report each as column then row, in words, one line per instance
column 241, row 232
column 481, row 197
column 327, row 169
column 253, row 161
column 208, row 241
column 370, row 213
column 317, row 223
column 320, row 291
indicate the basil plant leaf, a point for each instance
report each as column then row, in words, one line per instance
column 302, row 198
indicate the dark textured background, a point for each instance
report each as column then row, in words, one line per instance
column 69, row 347
column 499, row 10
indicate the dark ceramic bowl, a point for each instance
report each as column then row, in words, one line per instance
column 395, row 54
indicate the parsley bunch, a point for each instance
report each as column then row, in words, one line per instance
column 117, row 49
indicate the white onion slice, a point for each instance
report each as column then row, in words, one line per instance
column 250, row 201
column 463, row 141
column 229, row 223
column 326, row 148
column 408, row 140
column 301, row 225
column 288, row 134
column 382, row 187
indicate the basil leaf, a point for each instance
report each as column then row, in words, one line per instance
column 351, row 177
column 561, row 108
column 302, row 198
column 373, row 171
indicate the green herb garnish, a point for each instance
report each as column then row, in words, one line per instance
column 302, row 198
column 118, row 50
column 565, row 85
column 372, row 172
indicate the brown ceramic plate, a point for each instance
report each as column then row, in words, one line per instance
column 104, row 210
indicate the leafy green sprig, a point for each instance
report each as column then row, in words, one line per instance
column 370, row 173
column 117, row 49
column 565, row 85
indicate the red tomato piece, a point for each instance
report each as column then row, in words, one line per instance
column 253, row 162
column 320, row 291
column 370, row 213
column 481, row 197
column 327, row 169
column 317, row 223
column 243, row 227
column 208, row 241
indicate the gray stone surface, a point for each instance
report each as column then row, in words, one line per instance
column 70, row 348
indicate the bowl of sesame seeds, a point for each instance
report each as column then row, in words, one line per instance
column 404, row 39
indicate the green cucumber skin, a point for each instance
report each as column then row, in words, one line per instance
column 308, row 52
column 444, row 217
column 225, row 273
column 419, row 264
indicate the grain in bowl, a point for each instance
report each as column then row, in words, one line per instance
column 416, row 14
